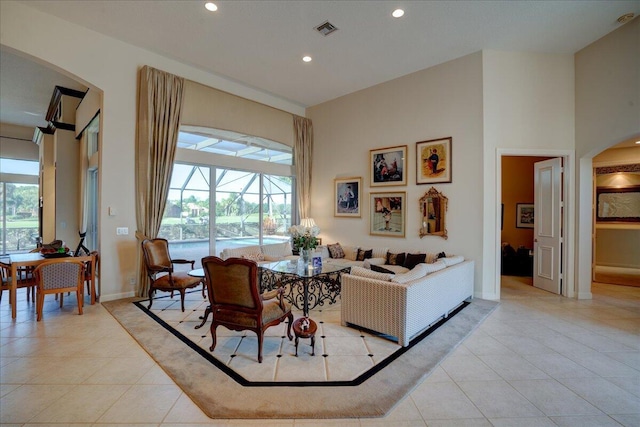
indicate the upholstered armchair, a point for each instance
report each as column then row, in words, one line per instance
column 160, row 270
column 236, row 302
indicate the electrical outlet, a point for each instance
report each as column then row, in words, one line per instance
column 122, row 231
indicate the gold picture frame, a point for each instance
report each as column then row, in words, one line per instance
column 433, row 161
column 346, row 202
column 387, row 214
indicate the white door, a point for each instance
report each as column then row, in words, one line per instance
column 547, row 229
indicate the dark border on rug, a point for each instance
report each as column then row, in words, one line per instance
column 355, row 382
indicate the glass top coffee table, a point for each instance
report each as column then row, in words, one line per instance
column 305, row 288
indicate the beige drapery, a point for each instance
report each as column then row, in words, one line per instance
column 83, row 193
column 303, row 149
column 160, row 98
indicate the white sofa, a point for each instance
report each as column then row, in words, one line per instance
column 261, row 253
column 403, row 310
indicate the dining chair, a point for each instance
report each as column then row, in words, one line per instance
column 56, row 277
column 236, row 302
column 161, row 273
column 25, row 279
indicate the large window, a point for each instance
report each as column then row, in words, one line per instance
column 214, row 205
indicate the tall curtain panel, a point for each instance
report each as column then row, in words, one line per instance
column 160, row 98
column 303, row 152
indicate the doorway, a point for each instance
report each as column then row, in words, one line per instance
column 512, row 206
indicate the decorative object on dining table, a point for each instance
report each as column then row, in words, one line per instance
column 55, row 249
column 305, row 238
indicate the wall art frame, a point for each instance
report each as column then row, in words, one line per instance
column 387, row 214
column 525, row 215
column 618, row 204
column 434, row 161
column 347, row 201
column 388, row 166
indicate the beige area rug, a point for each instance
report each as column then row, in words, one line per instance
column 220, row 396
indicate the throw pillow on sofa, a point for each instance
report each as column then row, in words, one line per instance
column 411, row 260
column 380, row 269
column 335, row 250
column 395, row 259
column 363, row 272
column 254, row 257
column 362, row 254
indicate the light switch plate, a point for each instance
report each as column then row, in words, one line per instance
column 122, row 231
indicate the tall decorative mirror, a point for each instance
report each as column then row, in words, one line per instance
column 433, row 207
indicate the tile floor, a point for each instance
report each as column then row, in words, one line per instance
column 538, row 360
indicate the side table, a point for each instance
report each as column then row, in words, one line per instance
column 308, row 332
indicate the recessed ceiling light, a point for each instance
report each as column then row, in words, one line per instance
column 397, row 13
column 625, row 18
column 210, row 6
column 306, row 58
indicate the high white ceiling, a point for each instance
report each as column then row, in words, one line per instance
column 261, row 43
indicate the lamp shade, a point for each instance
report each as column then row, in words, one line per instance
column 307, row 222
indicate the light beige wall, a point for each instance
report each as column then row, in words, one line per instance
column 30, row 32
column 617, row 244
column 607, row 112
column 528, row 110
column 442, row 101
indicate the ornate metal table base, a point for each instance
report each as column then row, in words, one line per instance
column 304, row 291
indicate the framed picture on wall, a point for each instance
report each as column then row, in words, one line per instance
column 433, row 161
column 387, row 214
column 524, row 215
column 618, row 204
column 388, row 166
column 347, row 197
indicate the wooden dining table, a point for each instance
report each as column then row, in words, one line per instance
column 14, row 261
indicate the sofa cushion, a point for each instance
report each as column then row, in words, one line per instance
column 323, row 250
column 411, row 260
column 435, row 266
column 452, row 260
column 238, row 252
column 415, row 273
column 395, row 259
column 379, row 252
column 363, row 272
column 364, row 254
column 277, row 249
column 335, row 250
column 350, row 252
column 257, row 256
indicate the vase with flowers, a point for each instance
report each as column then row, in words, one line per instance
column 305, row 239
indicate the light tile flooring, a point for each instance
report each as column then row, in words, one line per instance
column 538, row 360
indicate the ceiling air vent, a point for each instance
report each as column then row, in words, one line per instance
column 326, row 28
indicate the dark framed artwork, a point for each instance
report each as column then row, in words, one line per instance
column 347, row 197
column 388, row 166
column 524, row 215
column 618, row 204
column 387, row 214
column 433, row 161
